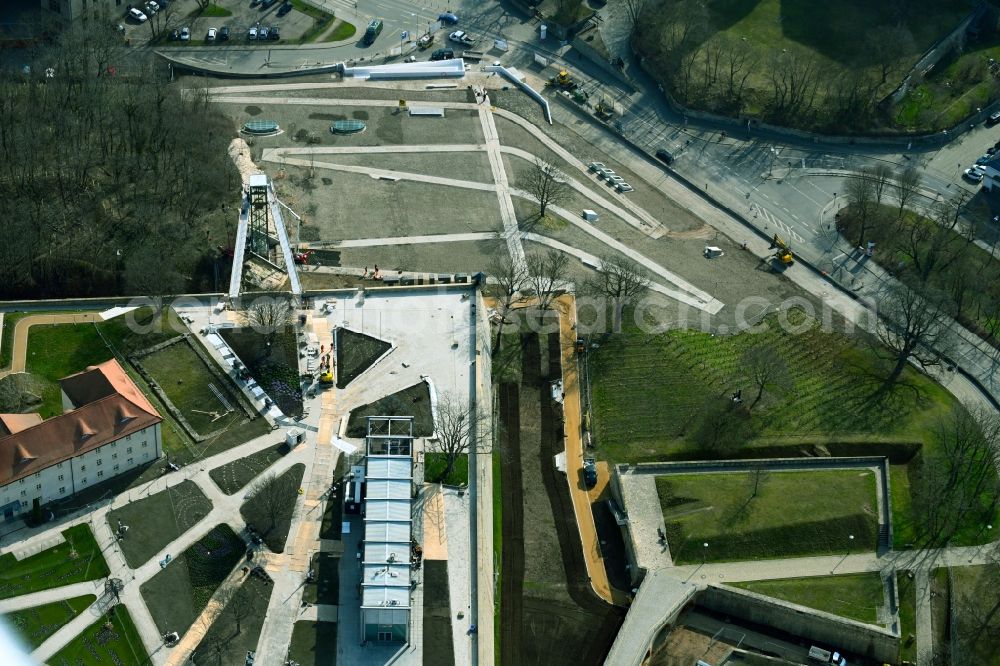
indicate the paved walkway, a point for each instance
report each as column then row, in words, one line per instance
column 19, row 349
column 507, row 214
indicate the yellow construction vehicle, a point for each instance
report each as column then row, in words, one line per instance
column 784, row 252
column 326, row 378
column 563, row 80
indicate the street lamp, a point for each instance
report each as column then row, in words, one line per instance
column 850, row 541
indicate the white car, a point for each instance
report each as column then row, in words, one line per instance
column 137, row 15
column 253, row 33
column 185, row 34
column 152, row 7
column 211, row 35
column 460, row 36
column 975, row 174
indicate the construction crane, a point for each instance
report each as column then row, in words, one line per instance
column 784, row 252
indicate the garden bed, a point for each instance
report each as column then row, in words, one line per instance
column 55, row 566
column 234, row 476
column 100, row 645
column 37, row 624
column 356, row 352
column 270, row 512
column 414, row 401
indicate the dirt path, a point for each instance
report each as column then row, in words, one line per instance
column 512, row 565
column 20, row 347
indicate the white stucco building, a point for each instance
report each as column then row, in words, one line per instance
column 108, row 427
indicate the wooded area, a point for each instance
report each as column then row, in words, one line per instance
column 111, row 180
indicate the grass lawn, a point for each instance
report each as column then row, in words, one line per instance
column 187, row 383
column 326, row 589
column 313, row 643
column 854, row 596
column 434, row 466
column 100, row 645
column 35, row 625
column 223, row 645
column 940, row 606
column 276, row 368
column 414, row 401
column 214, row 11
column 355, row 354
column 157, row 520
column 54, row 567
column 343, row 30
column 179, row 593
column 793, row 514
column 649, row 392
column 973, row 597
column 271, row 512
column 233, row 476
column 832, row 37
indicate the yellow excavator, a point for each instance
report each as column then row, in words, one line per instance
column 784, row 252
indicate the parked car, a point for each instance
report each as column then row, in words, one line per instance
column 372, row 32
column 448, row 18
column 974, row 174
column 163, row 3
column 252, row 34
column 254, row 3
column 993, row 119
column 267, row 3
column 461, row 37
column 185, row 34
column 590, row 472
column 273, row 33
column 983, row 159
column 137, row 15
column 224, row 33
column 262, row 32
column 443, row 54
column 152, row 8
column 175, row 34
column 284, row 9
column 665, row 156
column 210, row 36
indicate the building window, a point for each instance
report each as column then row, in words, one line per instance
column 116, row 468
column 145, row 456
column 62, row 490
column 24, row 493
column 83, row 480
column 100, row 473
column 114, row 456
column 37, row 474
column 129, row 450
column 38, row 486
column 60, row 477
column 83, row 468
column 129, row 461
column 128, row 437
column 144, row 444
column 21, row 481
column 54, row 5
column 59, row 465
column 99, row 462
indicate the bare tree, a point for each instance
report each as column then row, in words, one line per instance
column 912, row 324
column 889, row 46
column 933, row 246
column 621, row 280
column 765, row 368
column 860, row 191
column 238, row 605
column 509, row 278
column 905, row 186
column 458, row 427
column 19, row 392
column 546, row 184
column 794, row 84
column 740, row 64
column 723, row 427
column 269, row 500
column 268, row 314
column 633, row 11
column 956, row 485
column 546, row 272
column 881, row 177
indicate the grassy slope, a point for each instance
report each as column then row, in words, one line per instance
column 355, row 354
column 854, row 596
column 313, row 642
column 649, row 390
column 54, row 567
column 793, row 514
column 38, row 623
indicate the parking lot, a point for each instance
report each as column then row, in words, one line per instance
column 180, row 14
